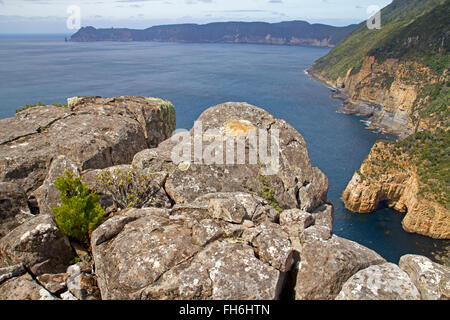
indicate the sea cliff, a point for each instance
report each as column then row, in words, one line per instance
column 397, row 77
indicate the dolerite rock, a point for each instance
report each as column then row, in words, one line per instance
column 324, row 216
column 432, row 279
column 81, row 284
column 13, row 207
column 39, row 245
column 23, row 288
column 379, row 282
column 93, row 132
column 326, row 264
column 293, row 184
column 54, row 283
column 194, row 251
column 11, row 272
column 47, row 195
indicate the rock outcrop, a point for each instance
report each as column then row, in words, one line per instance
column 292, row 184
column 210, row 230
column 93, row 132
column 385, row 92
column 391, row 180
column 431, row 279
column 326, row 264
column 38, row 244
column 380, row 282
column 14, row 209
column 194, row 251
column 24, row 288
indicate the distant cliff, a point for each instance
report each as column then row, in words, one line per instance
column 284, row 33
column 398, row 76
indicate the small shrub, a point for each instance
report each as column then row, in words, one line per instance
column 40, row 104
column 28, row 106
column 80, row 212
column 268, row 193
column 128, row 187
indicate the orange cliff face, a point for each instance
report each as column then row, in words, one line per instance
column 386, row 179
column 386, row 91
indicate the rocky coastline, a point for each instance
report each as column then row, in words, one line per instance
column 389, row 109
column 210, row 231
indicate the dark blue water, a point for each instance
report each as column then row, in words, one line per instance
column 197, row 76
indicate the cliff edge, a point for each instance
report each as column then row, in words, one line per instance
column 398, row 77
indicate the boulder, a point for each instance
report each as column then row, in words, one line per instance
column 23, row 288
column 324, row 216
column 81, row 284
column 68, row 296
column 222, row 271
column 54, row 283
column 11, row 272
column 295, row 221
column 94, row 133
column 385, row 281
column 47, row 195
column 39, row 245
column 326, row 264
column 194, row 251
column 13, row 207
column 133, row 250
column 431, row 279
column 284, row 178
column 235, row 207
column 272, row 246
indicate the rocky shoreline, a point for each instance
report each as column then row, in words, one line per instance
column 210, row 231
column 363, row 94
column 389, row 108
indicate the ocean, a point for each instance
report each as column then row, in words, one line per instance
column 194, row 77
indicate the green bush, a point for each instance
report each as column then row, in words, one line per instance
column 80, row 212
column 40, row 104
column 267, row 192
column 28, row 106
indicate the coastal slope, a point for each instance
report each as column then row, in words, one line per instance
column 283, row 33
column 398, row 77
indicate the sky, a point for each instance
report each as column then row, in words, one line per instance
column 50, row 16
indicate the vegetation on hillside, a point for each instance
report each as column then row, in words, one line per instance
column 39, row 104
column 430, row 154
column 397, row 22
column 433, row 104
column 424, row 41
column 426, row 152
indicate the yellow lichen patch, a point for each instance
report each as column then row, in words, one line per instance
column 237, row 128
